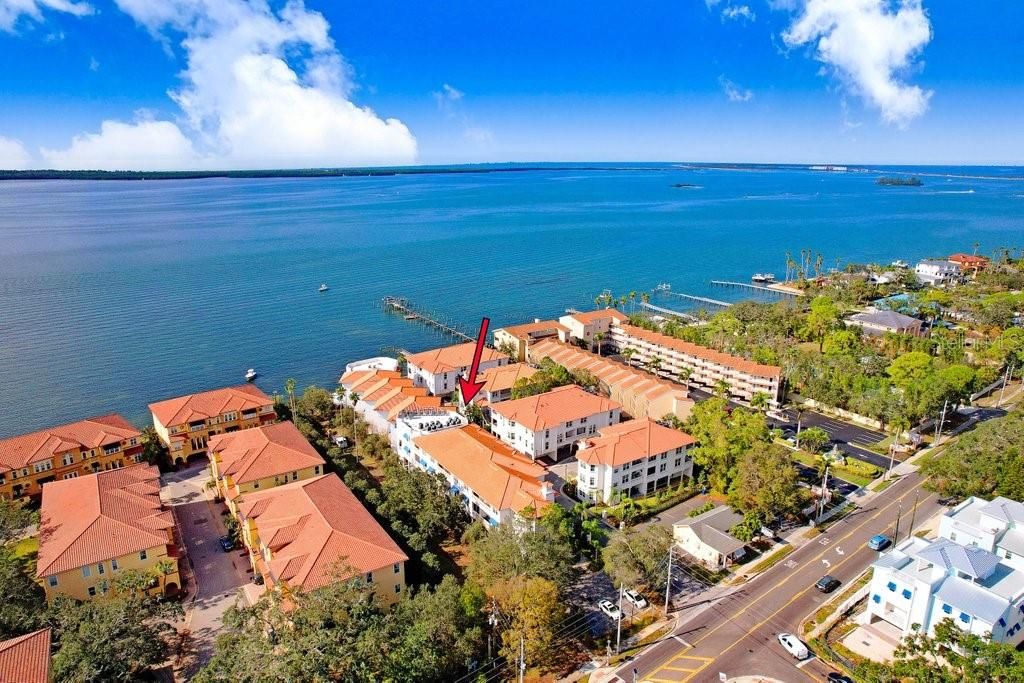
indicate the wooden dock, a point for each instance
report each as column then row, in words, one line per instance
column 402, row 306
column 700, row 299
column 667, row 311
column 760, row 288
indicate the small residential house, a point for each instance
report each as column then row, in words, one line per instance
column 934, row 272
column 26, row 659
column 550, row 424
column 438, row 370
column 185, row 424
column 306, row 534
column 497, row 483
column 707, row 538
column 261, row 458
column 94, row 526
column 633, row 458
column 878, row 323
column 93, row 445
column 970, row 263
column 498, row 382
column 519, row 338
column 584, row 327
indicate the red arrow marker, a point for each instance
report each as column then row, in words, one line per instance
column 470, row 387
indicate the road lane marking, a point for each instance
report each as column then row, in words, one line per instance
column 826, row 563
column 805, row 662
column 682, row 641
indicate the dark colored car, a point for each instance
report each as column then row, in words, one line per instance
column 835, row 677
column 827, row 583
column 226, row 544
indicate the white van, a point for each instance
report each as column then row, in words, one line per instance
column 794, row 646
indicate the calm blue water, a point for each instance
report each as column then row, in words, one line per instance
column 115, row 294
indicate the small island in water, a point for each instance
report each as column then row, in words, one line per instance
column 901, row 182
column 689, row 185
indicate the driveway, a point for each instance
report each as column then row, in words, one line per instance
column 217, row 575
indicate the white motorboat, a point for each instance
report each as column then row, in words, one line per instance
column 250, row 375
column 323, row 287
column 763, row 277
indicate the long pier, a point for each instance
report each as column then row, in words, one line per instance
column 700, row 299
column 668, row 311
column 771, row 290
column 397, row 304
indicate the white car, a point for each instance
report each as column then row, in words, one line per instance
column 610, row 610
column 794, row 645
column 635, row 599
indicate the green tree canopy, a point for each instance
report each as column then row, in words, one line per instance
column 987, row 461
column 767, row 483
column 505, row 552
column 911, row 368
column 635, row 557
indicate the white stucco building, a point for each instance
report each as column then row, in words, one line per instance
column 932, row 272
column 550, row 424
column 706, row 537
column 633, row 458
column 438, row 370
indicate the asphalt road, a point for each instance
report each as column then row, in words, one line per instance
column 736, row 634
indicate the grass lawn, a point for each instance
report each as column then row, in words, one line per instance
column 26, row 547
column 884, row 484
column 773, row 559
column 846, row 474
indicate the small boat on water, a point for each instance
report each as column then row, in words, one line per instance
column 763, row 277
column 663, row 287
column 899, row 263
column 250, row 375
column 323, row 287
column 411, row 316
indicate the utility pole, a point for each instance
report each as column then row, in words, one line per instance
column 896, row 533
column 913, row 513
column 668, row 580
column 824, row 489
column 522, row 658
column 1006, row 378
column 618, row 622
column 942, row 420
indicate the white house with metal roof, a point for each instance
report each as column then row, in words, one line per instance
column 958, row 576
column 707, row 538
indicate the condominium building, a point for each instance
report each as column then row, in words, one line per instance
column 640, row 393
column 519, row 338
column 186, row 423
column 699, row 365
column 307, row 534
column 26, row 659
column 498, row 484
column 379, row 396
column 94, row 527
column 934, row 272
column 633, row 458
column 413, row 424
column 585, row 327
column 550, row 424
column 261, row 458
column 972, row 574
column 438, row 370
column 99, row 443
column 499, row 381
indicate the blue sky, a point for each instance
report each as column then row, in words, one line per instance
column 243, row 83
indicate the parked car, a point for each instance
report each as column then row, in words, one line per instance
column 794, row 645
column 827, row 583
column 879, row 542
column 610, row 609
column 226, row 543
column 836, row 677
column 635, row 599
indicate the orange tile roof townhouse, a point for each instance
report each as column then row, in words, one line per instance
column 518, row 338
column 498, row 382
column 498, row 484
column 439, row 369
column 584, row 327
column 99, row 443
column 633, row 458
column 307, row 534
column 26, row 659
column 186, row 423
column 703, row 366
column 261, row 458
column 640, row 393
column 382, row 395
column 549, row 424
column 93, row 527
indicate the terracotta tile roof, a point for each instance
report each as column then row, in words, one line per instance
column 600, row 314
column 503, row 378
column 313, row 525
column 252, row 454
column 525, row 330
column 356, row 378
column 99, row 517
column 387, row 392
column 207, row 404
column 94, row 432
column 500, row 476
column 448, row 358
column 607, row 371
column 703, row 352
column 969, row 259
column 631, row 441
column 26, row 659
column 554, row 408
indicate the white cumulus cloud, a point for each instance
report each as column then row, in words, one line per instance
column 261, row 89
column 13, row 10
column 738, row 12
column 13, row 155
column 870, row 45
column 734, row 92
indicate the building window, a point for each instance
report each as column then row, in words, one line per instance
column 965, row 617
column 255, row 484
column 369, row 577
column 113, row 565
column 396, row 567
column 316, row 469
column 142, row 555
column 398, row 588
column 71, row 475
column 92, row 591
column 906, row 594
column 69, row 459
column 52, row 580
column 86, row 571
column 947, row 609
column 100, row 569
column 679, row 461
column 891, row 586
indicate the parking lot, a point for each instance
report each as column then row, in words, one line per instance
column 851, row 439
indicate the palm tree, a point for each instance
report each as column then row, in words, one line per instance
column 760, row 401
column 645, row 297
column 628, row 353
column 598, row 300
column 599, row 338
column 289, row 388
column 654, row 365
column 164, row 568
column 684, row 376
column 722, row 389
column 632, row 301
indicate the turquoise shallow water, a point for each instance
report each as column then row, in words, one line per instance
column 115, row 294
